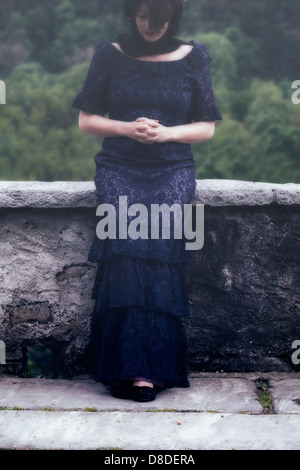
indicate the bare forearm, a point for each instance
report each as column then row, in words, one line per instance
column 191, row 133
column 101, row 126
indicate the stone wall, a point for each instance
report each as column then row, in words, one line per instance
column 243, row 287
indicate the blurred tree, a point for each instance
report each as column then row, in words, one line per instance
column 45, row 49
column 264, row 146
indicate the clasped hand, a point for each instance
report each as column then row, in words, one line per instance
column 148, row 131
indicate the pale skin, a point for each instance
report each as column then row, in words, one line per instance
column 145, row 130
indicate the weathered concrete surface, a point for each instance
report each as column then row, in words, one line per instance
column 231, row 395
column 286, row 394
column 220, row 193
column 218, row 412
column 45, row 280
column 39, row 194
column 214, row 193
column 160, row 431
column 243, row 288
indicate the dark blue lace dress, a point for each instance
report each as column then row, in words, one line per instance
column 140, row 294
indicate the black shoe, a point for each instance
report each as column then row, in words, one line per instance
column 121, row 390
column 143, row 393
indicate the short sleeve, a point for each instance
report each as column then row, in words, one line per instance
column 93, row 96
column 204, row 107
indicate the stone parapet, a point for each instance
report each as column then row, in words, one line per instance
column 243, row 287
column 215, row 193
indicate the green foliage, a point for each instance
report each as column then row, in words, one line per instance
column 264, row 146
column 45, row 49
column 40, row 136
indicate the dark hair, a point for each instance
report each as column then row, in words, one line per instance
column 160, row 11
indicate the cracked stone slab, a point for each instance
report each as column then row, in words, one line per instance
column 213, row 394
column 142, row 431
column 245, row 193
column 44, row 194
column 286, row 394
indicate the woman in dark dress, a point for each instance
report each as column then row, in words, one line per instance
column 158, row 96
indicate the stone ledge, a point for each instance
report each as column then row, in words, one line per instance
column 217, row 412
column 215, row 193
column 244, row 193
column 48, row 195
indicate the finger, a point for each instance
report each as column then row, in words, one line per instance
column 150, row 139
column 149, row 134
column 147, row 126
column 152, row 122
column 141, row 128
column 145, row 139
column 141, row 135
column 152, row 133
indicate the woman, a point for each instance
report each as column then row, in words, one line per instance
column 157, row 93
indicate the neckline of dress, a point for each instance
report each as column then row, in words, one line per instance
column 120, row 53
